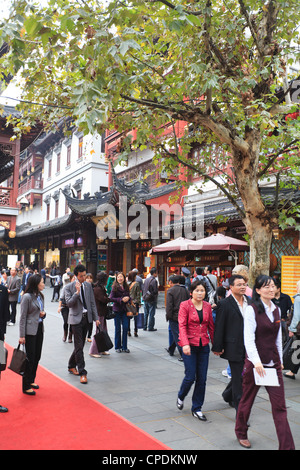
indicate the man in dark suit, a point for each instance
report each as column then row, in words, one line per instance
column 13, row 285
column 25, row 278
column 175, row 295
column 4, row 317
column 79, row 297
column 229, row 336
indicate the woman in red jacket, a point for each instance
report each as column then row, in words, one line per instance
column 196, row 329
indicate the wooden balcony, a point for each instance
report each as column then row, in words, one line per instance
column 6, row 197
column 30, row 185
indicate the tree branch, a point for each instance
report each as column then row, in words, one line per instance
column 276, row 155
column 209, row 177
column 245, row 13
column 173, row 7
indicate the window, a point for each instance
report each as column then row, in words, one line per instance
column 49, row 168
column 58, row 163
column 79, row 194
column 56, row 208
column 48, row 212
column 69, row 155
column 80, row 145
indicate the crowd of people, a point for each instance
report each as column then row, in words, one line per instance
column 247, row 327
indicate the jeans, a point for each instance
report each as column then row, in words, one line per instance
column 121, row 320
column 149, row 312
column 196, row 366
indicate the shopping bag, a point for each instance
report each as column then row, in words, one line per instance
column 140, row 321
column 103, row 340
column 18, row 361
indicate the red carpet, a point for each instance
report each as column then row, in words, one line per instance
column 61, row 417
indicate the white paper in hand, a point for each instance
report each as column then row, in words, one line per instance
column 270, row 378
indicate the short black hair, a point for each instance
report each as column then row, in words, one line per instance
column 234, row 277
column 153, row 270
column 79, row 269
column 199, row 271
column 174, row 278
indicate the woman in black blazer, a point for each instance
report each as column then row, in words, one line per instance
column 32, row 329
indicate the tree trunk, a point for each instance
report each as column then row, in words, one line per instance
column 260, row 247
column 258, row 220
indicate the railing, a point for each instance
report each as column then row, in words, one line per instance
column 6, row 199
column 28, row 185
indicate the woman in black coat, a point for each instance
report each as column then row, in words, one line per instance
column 120, row 296
column 101, row 299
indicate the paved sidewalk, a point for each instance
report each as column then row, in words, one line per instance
column 142, row 387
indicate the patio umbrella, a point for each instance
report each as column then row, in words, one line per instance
column 218, row 242
column 179, row 244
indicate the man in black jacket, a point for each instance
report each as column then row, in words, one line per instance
column 4, row 317
column 229, row 336
column 175, row 295
column 150, row 294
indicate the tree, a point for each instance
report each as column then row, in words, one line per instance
column 220, row 67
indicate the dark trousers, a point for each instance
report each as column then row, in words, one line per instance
column 33, row 347
column 277, row 399
column 56, row 291
column 196, row 366
column 175, row 332
column 77, row 357
column 66, row 326
column 233, row 392
column 13, row 311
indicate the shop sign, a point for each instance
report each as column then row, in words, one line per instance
column 68, row 242
column 290, row 274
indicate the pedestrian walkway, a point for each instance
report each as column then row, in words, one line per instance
column 142, row 387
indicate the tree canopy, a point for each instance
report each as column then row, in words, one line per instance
column 223, row 68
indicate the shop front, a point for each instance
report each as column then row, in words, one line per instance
column 74, row 252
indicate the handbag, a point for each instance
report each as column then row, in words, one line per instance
column 110, row 314
column 131, row 309
column 18, row 361
column 3, row 356
column 103, row 340
column 287, row 354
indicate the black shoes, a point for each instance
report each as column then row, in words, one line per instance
column 29, row 392
column 289, row 376
column 179, row 404
column 199, row 415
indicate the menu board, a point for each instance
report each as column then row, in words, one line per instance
column 290, row 274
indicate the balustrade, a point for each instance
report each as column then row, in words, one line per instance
column 6, row 197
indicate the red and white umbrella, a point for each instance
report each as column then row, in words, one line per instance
column 218, row 242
